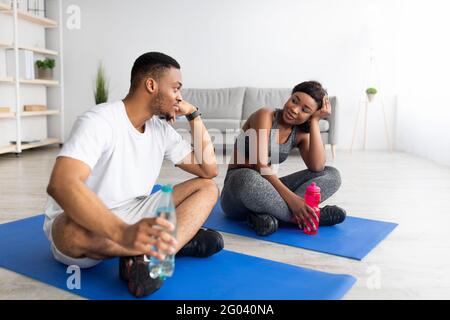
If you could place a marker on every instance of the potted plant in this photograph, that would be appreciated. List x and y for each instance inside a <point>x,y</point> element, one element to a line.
<point>371,92</point>
<point>45,68</point>
<point>101,86</point>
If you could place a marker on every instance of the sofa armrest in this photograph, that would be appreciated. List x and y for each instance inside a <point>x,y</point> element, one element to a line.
<point>332,136</point>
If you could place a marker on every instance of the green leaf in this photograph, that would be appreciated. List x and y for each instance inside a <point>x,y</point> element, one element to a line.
<point>45,64</point>
<point>371,91</point>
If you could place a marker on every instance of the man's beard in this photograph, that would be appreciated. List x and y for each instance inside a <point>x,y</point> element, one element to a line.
<point>158,103</point>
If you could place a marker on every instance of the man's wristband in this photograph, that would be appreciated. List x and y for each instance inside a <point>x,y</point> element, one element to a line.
<point>193,115</point>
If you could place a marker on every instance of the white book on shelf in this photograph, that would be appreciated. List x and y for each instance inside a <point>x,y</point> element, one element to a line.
<point>11,63</point>
<point>26,64</point>
<point>30,64</point>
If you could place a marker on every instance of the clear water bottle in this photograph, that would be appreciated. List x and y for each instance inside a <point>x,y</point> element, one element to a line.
<point>165,209</point>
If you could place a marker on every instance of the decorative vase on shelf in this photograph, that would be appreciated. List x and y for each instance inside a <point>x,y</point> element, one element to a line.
<point>45,68</point>
<point>45,74</point>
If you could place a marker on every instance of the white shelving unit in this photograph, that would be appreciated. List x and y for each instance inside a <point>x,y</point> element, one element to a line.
<point>21,30</point>
<point>42,51</point>
<point>7,115</point>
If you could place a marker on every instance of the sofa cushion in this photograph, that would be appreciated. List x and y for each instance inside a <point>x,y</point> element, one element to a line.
<point>256,98</point>
<point>223,103</point>
<point>324,125</point>
<point>221,131</point>
<point>210,124</point>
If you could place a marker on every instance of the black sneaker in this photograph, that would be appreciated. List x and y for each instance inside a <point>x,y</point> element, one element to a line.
<point>263,224</point>
<point>134,270</point>
<point>331,215</point>
<point>204,244</point>
<point>125,264</point>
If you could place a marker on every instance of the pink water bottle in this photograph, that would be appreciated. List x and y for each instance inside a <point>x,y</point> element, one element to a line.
<point>312,199</point>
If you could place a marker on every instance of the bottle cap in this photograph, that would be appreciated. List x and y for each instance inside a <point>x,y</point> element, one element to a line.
<point>313,188</point>
<point>167,188</point>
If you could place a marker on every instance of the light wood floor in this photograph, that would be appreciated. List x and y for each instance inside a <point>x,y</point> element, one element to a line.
<point>412,263</point>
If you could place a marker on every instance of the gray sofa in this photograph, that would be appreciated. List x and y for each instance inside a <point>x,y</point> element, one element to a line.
<point>225,110</point>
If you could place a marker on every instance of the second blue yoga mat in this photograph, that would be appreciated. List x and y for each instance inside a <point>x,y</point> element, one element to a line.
<point>354,238</point>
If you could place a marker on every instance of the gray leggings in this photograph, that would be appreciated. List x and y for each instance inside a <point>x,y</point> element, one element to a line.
<point>246,190</point>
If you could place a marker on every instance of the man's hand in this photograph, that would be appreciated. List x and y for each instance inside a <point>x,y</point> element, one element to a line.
<point>149,234</point>
<point>323,112</point>
<point>184,108</point>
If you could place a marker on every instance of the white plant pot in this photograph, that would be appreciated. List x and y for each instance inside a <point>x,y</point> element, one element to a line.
<point>371,96</point>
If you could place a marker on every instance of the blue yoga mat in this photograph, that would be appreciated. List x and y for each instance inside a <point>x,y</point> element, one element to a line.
<point>227,275</point>
<point>354,238</point>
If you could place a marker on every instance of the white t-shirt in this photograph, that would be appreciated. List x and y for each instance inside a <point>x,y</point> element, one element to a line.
<point>124,162</point>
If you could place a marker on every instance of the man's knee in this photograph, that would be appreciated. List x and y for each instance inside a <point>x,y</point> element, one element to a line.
<point>210,186</point>
<point>70,238</point>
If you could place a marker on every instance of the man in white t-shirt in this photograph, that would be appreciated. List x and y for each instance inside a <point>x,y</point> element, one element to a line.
<point>99,204</point>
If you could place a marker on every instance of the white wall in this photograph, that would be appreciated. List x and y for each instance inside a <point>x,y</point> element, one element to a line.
<point>423,119</point>
<point>241,43</point>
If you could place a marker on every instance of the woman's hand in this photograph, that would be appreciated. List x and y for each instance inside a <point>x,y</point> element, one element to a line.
<point>302,214</point>
<point>323,112</point>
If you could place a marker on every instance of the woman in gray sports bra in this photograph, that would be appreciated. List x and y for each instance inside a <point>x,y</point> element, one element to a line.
<point>252,191</point>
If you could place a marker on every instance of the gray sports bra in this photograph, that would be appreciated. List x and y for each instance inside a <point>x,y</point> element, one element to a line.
<point>278,153</point>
